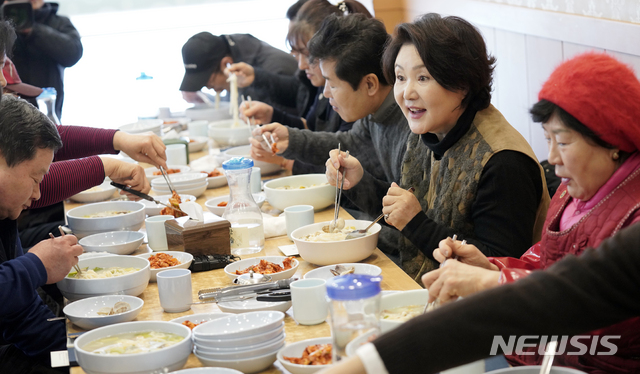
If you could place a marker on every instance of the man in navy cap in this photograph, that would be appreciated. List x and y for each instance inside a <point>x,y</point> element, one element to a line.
<point>206,56</point>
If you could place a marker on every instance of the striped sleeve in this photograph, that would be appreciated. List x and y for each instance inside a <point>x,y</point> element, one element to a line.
<point>82,141</point>
<point>67,178</point>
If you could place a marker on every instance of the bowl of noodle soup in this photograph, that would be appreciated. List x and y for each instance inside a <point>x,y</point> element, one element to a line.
<point>108,275</point>
<point>320,248</point>
<point>107,216</point>
<point>134,347</point>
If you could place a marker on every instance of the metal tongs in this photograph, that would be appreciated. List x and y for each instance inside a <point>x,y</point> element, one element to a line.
<point>166,178</point>
<point>216,295</point>
<point>144,196</point>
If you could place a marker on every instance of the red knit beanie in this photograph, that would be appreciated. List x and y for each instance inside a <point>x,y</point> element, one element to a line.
<point>600,92</point>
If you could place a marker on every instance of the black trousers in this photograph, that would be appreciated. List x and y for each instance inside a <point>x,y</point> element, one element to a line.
<point>14,361</point>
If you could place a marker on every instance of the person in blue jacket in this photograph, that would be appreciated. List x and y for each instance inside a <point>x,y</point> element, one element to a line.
<point>28,141</point>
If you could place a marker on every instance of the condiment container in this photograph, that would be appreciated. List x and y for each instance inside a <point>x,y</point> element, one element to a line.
<point>247,232</point>
<point>354,307</point>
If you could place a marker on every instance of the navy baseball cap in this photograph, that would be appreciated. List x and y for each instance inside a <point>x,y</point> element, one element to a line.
<point>201,55</point>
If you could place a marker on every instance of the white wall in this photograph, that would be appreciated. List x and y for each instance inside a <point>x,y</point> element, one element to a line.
<point>528,44</point>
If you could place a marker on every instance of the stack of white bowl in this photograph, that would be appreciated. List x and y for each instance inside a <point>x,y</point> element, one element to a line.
<point>248,342</point>
<point>144,125</point>
<point>184,183</point>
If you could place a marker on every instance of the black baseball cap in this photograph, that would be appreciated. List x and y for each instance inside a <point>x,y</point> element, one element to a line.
<point>201,55</point>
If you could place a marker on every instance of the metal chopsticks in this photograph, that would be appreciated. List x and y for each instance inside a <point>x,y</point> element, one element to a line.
<point>166,178</point>
<point>78,270</point>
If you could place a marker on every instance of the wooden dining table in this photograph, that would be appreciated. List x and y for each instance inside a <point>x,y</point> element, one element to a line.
<point>393,278</point>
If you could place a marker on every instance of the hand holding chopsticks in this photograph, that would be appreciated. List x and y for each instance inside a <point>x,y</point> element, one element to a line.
<point>62,233</point>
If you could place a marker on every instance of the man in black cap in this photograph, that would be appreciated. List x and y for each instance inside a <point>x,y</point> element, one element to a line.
<point>206,56</point>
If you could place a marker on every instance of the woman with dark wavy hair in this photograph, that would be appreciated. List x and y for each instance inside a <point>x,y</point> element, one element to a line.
<point>474,175</point>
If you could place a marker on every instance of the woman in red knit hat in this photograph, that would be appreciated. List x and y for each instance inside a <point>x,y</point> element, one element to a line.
<point>590,110</point>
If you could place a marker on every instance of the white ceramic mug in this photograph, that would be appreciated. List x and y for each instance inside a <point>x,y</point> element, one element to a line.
<point>199,128</point>
<point>174,289</point>
<point>256,180</point>
<point>298,216</point>
<point>309,298</point>
<point>156,233</point>
<point>176,154</point>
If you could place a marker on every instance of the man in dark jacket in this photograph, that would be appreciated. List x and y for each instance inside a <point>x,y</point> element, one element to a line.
<point>206,56</point>
<point>43,51</point>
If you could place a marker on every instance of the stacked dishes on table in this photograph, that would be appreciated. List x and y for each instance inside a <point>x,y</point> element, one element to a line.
<point>248,342</point>
<point>184,183</point>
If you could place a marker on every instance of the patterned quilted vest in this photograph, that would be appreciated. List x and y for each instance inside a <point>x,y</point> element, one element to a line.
<point>608,217</point>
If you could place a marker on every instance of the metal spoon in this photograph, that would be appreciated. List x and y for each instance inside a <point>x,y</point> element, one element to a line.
<point>362,232</point>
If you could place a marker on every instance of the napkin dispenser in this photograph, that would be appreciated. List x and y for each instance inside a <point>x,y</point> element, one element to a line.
<point>210,236</point>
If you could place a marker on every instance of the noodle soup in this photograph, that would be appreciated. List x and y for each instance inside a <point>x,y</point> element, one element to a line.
<point>101,273</point>
<point>110,213</point>
<point>133,342</point>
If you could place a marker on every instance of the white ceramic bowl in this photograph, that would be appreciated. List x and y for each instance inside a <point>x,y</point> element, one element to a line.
<point>198,143</point>
<point>240,355</point>
<point>320,196</point>
<point>210,370</point>
<point>215,182</point>
<point>116,242</point>
<point>129,284</point>
<point>326,274</point>
<point>181,179</point>
<point>535,369</point>
<point>150,176</point>
<point>226,135</point>
<point>153,209</point>
<point>239,325</point>
<point>248,365</point>
<point>185,259</point>
<point>230,269</point>
<point>204,348</point>
<point>336,252</point>
<point>84,313</point>
<point>200,317</point>
<point>212,204</point>
<point>206,112</point>
<point>83,226</point>
<point>144,125</point>
<point>245,151</point>
<point>169,358</point>
<point>240,343</point>
<point>100,192</point>
<point>195,191</point>
<point>295,350</point>
<point>252,305</point>
<point>398,299</point>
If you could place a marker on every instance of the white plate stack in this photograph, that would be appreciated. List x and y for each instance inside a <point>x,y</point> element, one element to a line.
<point>248,342</point>
<point>184,183</point>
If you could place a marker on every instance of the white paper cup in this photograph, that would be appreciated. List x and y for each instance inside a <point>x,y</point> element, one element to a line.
<point>256,180</point>
<point>298,216</point>
<point>309,298</point>
<point>156,233</point>
<point>174,289</point>
<point>199,128</point>
<point>176,154</point>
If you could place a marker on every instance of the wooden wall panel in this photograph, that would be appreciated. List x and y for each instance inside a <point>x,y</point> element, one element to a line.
<point>543,55</point>
<point>511,79</point>
<point>570,50</point>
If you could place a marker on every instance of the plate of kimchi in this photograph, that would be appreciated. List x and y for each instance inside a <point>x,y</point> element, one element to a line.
<point>153,209</point>
<point>306,356</point>
<point>278,267</point>
<point>165,260</point>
